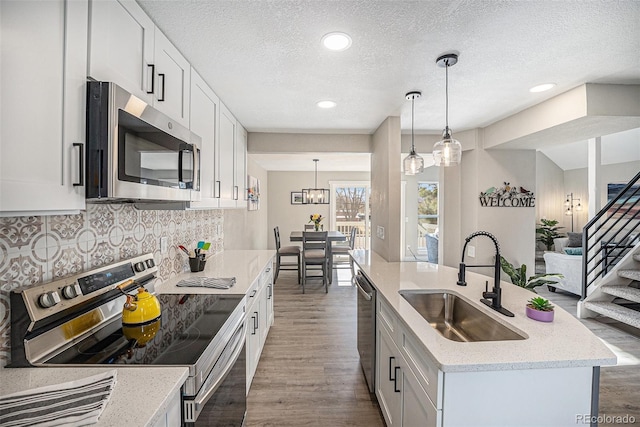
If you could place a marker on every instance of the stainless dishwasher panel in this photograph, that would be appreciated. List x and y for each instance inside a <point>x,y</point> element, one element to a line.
<point>367,328</point>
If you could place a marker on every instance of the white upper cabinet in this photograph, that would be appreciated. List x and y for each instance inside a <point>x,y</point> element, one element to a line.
<point>128,49</point>
<point>42,107</point>
<point>121,46</point>
<point>240,162</point>
<point>204,118</point>
<point>172,75</point>
<point>226,155</point>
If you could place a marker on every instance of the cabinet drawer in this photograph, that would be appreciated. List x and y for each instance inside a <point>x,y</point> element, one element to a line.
<point>427,373</point>
<point>252,294</point>
<point>386,316</point>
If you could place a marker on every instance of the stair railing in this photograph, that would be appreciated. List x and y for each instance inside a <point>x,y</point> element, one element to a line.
<point>605,236</point>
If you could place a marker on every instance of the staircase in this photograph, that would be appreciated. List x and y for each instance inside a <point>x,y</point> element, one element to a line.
<point>611,260</point>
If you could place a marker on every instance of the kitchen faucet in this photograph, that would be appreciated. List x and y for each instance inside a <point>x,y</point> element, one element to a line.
<point>493,298</point>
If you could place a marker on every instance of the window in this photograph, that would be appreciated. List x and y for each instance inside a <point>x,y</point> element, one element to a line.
<point>427,211</point>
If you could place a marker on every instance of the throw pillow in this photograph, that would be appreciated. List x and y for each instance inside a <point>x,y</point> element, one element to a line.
<point>575,240</point>
<point>573,251</point>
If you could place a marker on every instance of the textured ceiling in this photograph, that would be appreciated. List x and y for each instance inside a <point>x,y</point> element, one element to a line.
<point>265,60</point>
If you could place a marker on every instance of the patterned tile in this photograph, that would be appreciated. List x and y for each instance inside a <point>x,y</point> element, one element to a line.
<point>103,253</point>
<point>69,260</point>
<point>128,217</point>
<point>21,269</point>
<point>101,219</point>
<point>18,232</point>
<point>65,227</point>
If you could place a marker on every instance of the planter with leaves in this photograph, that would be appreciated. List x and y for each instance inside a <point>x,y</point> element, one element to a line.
<point>547,230</point>
<point>518,276</point>
<point>540,309</point>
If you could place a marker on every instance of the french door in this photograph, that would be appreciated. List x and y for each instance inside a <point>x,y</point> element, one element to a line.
<point>350,209</point>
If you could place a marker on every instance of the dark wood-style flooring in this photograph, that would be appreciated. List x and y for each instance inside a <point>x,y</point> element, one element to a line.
<point>309,372</point>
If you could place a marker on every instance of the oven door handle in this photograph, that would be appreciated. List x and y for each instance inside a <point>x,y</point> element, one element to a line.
<point>238,345</point>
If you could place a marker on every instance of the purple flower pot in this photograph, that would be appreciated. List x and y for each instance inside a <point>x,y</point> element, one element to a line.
<point>540,316</point>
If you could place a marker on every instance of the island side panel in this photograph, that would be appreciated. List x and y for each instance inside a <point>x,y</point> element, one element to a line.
<point>556,397</point>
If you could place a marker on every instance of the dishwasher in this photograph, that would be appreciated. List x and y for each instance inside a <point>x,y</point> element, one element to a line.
<point>367,328</point>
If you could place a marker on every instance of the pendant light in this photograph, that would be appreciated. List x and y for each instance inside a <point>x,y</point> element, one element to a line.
<point>448,151</point>
<point>413,163</point>
<point>315,196</point>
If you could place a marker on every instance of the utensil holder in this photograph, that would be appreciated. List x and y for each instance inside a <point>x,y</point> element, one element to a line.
<point>197,264</point>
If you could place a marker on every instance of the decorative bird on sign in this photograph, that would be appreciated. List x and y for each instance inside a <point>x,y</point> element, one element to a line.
<point>524,191</point>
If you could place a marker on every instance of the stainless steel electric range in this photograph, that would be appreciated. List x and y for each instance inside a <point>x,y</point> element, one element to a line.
<point>77,321</point>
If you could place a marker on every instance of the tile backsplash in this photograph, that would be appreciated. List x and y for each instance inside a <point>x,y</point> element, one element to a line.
<point>38,249</point>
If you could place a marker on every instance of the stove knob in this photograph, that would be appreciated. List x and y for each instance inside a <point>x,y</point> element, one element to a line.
<point>151,263</point>
<point>49,299</point>
<point>139,267</point>
<point>71,291</point>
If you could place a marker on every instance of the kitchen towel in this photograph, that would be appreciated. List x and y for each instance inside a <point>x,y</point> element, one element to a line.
<point>74,403</point>
<point>208,282</point>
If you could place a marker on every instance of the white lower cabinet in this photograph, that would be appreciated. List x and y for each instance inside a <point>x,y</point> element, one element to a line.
<point>172,417</point>
<point>401,394</point>
<point>259,319</point>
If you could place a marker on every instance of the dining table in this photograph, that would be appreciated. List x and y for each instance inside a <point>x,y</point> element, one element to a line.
<point>332,236</point>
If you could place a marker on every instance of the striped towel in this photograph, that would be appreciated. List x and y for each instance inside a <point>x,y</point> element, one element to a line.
<point>208,282</point>
<point>74,403</point>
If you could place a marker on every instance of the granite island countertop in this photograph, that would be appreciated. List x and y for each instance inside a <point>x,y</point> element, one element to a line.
<point>565,342</point>
<point>244,265</point>
<point>141,394</point>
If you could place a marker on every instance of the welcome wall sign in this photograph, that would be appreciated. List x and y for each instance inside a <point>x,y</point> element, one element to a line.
<point>507,196</point>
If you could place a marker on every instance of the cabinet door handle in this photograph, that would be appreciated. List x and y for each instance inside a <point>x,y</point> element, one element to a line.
<point>80,182</point>
<point>160,99</point>
<point>395,379</point>
<point>216,191</point>
<point>391,359</point>
<point>255,321</point>
<point>269,294</point>
<point>235,192</point>
<point>253,332</point>
<point>253,294</point>
<point>153,77</point>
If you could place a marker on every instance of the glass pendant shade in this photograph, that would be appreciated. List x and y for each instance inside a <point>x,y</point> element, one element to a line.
<point>448,151</point>
<point>413,164</point>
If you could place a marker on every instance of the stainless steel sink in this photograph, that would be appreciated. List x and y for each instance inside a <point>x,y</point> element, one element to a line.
<point>456,319</point>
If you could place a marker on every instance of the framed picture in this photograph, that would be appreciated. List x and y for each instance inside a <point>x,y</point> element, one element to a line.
<point>296,197</point>
<point>253,195</point>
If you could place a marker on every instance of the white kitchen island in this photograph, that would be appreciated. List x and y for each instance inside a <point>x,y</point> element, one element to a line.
<point>550,378</point>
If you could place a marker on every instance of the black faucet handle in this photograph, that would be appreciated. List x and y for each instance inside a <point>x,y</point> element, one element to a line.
<point>461,279</point>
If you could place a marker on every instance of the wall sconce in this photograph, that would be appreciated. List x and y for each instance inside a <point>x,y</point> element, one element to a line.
<point>571,206</point>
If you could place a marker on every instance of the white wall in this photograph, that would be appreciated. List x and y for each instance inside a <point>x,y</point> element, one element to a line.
<point>513,227</point>
<point>550,194</point>
<point>244,229</point>
<point>385,189</point>
<point>576,181</point>
<point>290,217</point>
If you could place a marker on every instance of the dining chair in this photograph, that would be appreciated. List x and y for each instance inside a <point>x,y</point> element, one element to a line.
<point>309,227</point>
<point>340,253</point>
<point>315,256</point>
<point>286,251</point>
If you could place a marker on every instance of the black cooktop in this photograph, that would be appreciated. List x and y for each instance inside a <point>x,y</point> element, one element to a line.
<point>187,325</point>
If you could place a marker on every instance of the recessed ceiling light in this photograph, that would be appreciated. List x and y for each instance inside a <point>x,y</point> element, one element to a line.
<point>542,87</point>
<point>336,41</point>
<point>326,104</point>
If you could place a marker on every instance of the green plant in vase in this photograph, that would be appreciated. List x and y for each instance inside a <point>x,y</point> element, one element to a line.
<point>547,230</point>
<point>540,309</point>
<point>518,276</point>
<point>540,304</point>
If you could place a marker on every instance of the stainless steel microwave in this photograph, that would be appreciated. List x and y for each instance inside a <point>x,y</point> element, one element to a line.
<point>136,153</point>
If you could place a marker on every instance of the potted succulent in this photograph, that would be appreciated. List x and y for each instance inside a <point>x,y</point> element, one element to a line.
<point>540,309</point>
<point>547,231</point>
<point>518,276</point>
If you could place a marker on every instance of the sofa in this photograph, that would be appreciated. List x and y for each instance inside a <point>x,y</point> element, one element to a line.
<point>570,266</point>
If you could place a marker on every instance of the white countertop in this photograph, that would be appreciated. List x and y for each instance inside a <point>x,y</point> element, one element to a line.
<point>244,265</point>
<point>565,342</point>
<point>141,394</point>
